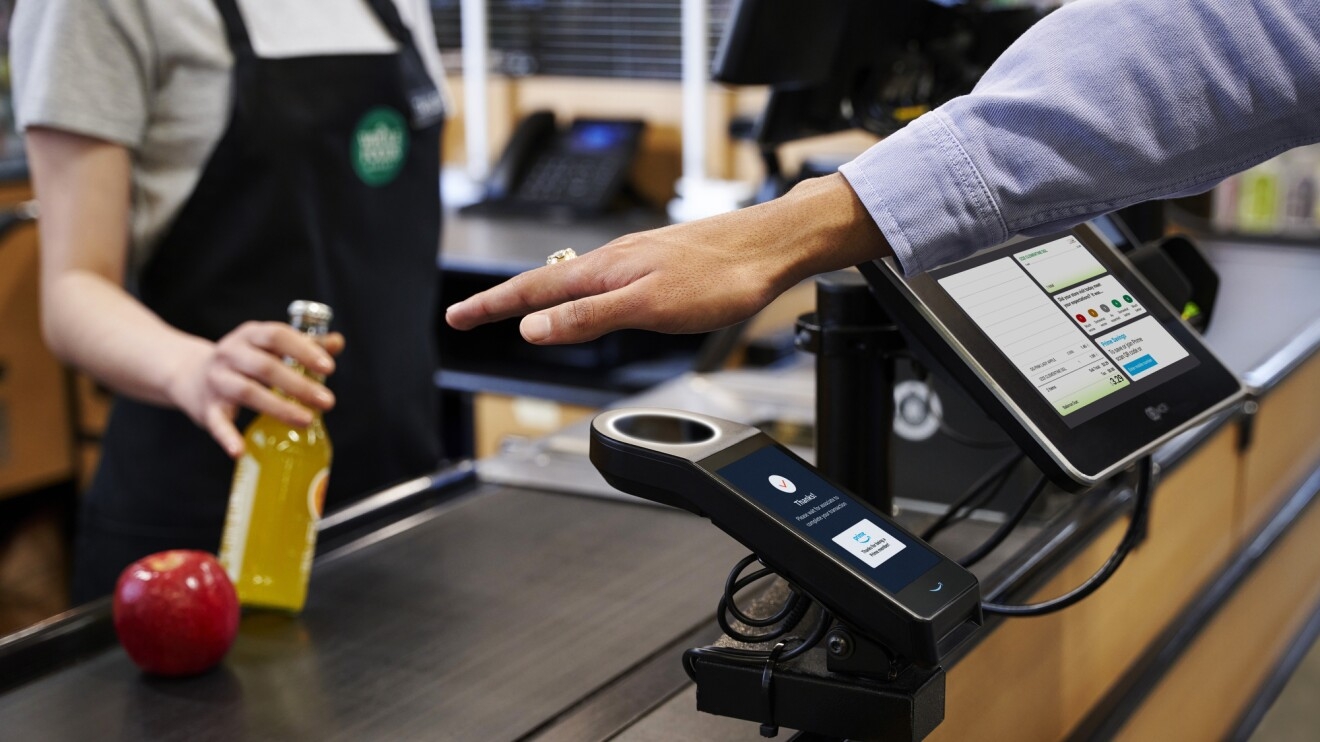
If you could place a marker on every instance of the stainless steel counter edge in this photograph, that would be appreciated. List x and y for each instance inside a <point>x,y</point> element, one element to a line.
<point>1277,367</point>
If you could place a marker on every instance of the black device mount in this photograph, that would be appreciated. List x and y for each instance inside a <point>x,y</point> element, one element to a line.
<point>805,693</point>
<point>850,688</point>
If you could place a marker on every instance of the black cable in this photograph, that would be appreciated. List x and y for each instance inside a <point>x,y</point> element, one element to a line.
<point>966,440</point>
<point>733,584</point>
<point>787,617</point>
<point>823,622</point>
<point>758,657</point>
<point>1136,531</point>
<point>977,497</point>
<point>969,500</point>
<point>793,611</point>
<point>1007,526</point>
<point>983,500</point>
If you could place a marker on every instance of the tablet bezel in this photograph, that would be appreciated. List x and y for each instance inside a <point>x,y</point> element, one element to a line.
<point>1075,455</point>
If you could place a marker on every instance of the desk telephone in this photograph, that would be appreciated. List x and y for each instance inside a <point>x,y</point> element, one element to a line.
<point>580,169</point>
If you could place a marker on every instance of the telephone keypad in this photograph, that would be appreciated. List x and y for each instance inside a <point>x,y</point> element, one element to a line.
<point>569,178</point>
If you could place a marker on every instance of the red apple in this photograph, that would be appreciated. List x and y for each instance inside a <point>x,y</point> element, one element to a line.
<point>176,612</point>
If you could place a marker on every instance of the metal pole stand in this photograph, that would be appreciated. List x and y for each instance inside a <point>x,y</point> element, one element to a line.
<point>855,344</point>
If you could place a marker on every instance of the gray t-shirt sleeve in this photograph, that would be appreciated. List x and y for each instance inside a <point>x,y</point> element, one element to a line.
<point>84,66</point>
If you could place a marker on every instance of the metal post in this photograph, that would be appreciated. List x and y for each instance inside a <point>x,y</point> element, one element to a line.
<point>854,342</point>
<point>476,84</point>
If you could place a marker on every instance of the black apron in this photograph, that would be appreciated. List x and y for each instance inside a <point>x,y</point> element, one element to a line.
<point>324,186</point>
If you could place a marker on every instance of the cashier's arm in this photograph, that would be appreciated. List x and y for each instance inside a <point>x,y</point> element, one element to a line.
<point>692,277</point>
<point>90,321</point>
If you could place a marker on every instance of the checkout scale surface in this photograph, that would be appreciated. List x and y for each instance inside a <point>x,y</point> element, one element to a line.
<point>480,619</point>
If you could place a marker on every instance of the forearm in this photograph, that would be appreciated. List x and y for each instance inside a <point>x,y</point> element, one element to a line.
<point>88,319</point>
<point>95,325</point>
<point>1103,104</point>
<point>822,226</point>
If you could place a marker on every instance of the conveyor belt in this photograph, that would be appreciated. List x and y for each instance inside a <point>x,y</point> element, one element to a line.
<point>479,620</point>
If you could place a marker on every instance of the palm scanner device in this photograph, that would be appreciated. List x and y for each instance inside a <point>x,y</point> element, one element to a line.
<point>859,563</point>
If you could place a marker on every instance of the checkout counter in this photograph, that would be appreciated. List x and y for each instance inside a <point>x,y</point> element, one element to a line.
<point>522,598</point>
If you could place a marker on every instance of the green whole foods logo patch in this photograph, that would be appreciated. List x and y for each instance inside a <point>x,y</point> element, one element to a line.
<point>380,144</point>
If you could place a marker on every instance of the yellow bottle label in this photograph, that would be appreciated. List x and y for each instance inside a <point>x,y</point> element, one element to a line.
<point>315,506</point>
<point>316,494</point>
<point>238,518</point>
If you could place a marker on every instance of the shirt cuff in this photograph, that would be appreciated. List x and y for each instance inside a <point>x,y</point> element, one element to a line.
<point>926,196</point>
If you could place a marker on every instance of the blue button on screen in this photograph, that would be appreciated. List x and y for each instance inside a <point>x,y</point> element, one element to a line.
<point>1140,364</point>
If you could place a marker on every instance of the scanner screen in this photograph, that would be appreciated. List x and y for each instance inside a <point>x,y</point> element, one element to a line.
<point>835,521</point>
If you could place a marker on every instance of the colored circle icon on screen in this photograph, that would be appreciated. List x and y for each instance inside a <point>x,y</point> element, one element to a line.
<point>1093,313</point>
<point>1081,318</point>
<point>1127,298</point>
<point>782,484</point>
<point>1104,308</point>
<point>1117,304</point>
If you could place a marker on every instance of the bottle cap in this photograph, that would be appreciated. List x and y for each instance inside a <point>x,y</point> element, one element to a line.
<point>310,315</point>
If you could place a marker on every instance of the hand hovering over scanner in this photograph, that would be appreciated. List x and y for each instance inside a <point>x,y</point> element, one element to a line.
<point>685,278</point>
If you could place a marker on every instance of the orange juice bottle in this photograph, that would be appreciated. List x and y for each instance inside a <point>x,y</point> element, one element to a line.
<point>277,497</point>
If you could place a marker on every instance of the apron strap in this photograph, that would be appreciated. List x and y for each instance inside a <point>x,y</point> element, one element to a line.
<point>388,13</point>
<point>235,30</point>
<point>241,44</point>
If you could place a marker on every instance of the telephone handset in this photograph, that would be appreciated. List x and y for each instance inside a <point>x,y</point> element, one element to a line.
<point>580,169</point>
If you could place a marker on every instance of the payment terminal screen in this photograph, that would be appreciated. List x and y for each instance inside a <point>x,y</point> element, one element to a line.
<point>834,521</point>
<point>1072,329</point>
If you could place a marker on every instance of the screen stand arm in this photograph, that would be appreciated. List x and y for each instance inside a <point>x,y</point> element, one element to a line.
<point>855,344</point>
<point>775,183</point>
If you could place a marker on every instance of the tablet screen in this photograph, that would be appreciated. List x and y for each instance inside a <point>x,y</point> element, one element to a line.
<point>1067,324</point>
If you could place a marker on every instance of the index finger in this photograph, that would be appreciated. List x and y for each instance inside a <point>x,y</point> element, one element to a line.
<point>526,292</point>
<point>284,341</point>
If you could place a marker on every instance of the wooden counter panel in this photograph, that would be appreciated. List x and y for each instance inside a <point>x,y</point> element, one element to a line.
<point>1010,687</point>
<point>1058,667</point>
<point>1203,696</point>
<point>1191,536</point>
<point>1285,444</point>
<point>36,446</point>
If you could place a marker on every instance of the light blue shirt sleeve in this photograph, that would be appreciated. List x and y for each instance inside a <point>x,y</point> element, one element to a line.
<point>1102,104</point>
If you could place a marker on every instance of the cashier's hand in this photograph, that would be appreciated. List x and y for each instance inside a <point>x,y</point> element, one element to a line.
<point>692,277</point>
<point>242,368</point>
